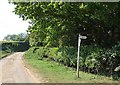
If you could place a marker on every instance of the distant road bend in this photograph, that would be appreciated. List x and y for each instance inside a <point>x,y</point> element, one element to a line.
<point>12,70</point>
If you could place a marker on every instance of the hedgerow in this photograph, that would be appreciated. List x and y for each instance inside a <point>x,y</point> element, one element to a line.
<point>14,46</point>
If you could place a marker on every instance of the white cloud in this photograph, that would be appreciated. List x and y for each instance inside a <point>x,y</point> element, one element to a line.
<point>9,22</point>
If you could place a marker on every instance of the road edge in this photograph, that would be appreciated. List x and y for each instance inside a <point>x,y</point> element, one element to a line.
<point>32,72</point>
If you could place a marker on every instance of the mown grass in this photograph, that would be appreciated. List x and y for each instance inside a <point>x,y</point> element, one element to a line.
<point>56,73</point>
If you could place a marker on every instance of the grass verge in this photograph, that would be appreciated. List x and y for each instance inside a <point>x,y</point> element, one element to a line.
<point>3,54</point>
<point>56,73</point>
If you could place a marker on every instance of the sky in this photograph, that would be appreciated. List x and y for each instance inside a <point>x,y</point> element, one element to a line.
<point>9,22</point>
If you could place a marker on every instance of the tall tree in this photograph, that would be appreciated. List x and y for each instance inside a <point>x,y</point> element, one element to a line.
<point>58,23</point>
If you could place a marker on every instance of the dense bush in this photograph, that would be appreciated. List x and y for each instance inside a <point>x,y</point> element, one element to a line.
<point>92,59</point>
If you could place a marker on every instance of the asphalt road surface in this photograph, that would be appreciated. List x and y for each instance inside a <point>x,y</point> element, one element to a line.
<point>12,70</point>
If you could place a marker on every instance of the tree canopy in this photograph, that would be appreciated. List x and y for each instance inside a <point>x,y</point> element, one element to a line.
<point>16,37</point>
<point>59,23</point>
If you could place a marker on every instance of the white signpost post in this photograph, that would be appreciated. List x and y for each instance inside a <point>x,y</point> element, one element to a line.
<point>78,58</point>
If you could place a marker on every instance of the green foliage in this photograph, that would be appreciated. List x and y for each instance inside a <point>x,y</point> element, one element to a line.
<point>31,53</point>
<point>18,37</point>
<point>53,54</point>
<point>58,23</point>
